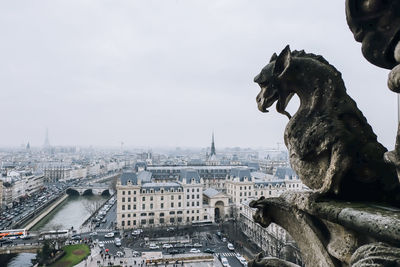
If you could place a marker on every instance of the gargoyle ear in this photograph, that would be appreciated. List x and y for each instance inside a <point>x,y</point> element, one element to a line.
<point>274,57</point>
<point>283,61</point>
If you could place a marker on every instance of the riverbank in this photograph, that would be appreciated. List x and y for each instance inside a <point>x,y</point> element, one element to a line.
<point>45,212</point>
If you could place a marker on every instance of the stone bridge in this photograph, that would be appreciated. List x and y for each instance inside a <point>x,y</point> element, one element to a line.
<point>90,189</point>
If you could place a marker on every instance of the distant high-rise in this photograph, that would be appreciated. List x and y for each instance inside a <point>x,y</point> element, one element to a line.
<point>46,140</point>
<point>212,146</point>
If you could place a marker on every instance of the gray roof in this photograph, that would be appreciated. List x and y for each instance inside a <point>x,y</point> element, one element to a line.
<point>262,176</point>
<point>282,172</point>
<point>188,175</point>
<point>210,192</point>
<point>241,173</point>
<point>158,186</point>
<point>128,176</point>
<point>144,176</point>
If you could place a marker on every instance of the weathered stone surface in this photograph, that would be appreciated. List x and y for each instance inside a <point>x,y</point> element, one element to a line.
<point>328,232</point>
<point>342,242</point>
<point>375,220</point>
<point>331,145</point>
<point>303,228</point>
<point>376,255</point>
<point>262,261</point>
<point>376,24</point>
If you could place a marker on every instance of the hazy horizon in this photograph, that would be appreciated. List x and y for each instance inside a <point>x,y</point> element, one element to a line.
<point>167,73</point>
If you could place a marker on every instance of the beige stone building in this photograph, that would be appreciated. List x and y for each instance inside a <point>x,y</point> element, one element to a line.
<point>141,202</point>
<point>217,204</point>
<point>185,197</point>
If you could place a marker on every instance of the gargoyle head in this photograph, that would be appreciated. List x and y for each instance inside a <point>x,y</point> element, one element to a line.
<point>269,81</point>
<point>376,24</point>
<point>260,217</point>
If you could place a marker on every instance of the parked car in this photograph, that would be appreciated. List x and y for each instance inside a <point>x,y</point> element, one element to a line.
<point>195,250</point>
<point>243,261</point>
<point>197,245</point>
<point>224,261</point>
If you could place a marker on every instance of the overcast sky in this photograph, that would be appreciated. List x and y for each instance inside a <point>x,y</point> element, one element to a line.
<point>166,73</point>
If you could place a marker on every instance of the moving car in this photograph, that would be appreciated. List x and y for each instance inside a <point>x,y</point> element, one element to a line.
<point>117,242</point>
<point>119,254</point>
<point>101,245</point>
<point>174,251</point>
<point>195,250</point>
<point>111,234</point>
<point>167,246</point>
<point>230,247</point>
<point>197,245</point>
<point>153,246</point>
<point>209,250</point>
<point>135,253</point>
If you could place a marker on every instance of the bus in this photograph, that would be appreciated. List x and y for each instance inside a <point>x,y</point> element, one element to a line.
<point>13,234</point>
<point>55,234</point>
<point>202,223</point>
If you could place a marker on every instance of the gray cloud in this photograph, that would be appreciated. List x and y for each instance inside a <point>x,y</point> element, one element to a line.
<point>166,72</point>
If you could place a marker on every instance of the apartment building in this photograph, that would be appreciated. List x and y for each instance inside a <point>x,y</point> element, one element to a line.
<point>142,202</point>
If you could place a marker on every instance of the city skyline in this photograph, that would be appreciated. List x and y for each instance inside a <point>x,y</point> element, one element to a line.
<point>124,73</point>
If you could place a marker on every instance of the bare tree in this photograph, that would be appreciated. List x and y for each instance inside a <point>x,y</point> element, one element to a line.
<point>92,206</point>
<point>113,183</point>
<point>58,237</point>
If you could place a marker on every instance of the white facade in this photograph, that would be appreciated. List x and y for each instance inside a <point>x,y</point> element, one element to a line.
<point>152,204</point>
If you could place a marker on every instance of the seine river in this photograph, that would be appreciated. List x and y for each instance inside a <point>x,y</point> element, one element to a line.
<point>71,213</point>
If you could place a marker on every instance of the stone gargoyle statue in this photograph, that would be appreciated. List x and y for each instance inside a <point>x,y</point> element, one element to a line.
<point>332,147</point>
<point>376,24</point>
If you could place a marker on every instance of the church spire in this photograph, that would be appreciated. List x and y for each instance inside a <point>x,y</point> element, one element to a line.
<point>212,146</point>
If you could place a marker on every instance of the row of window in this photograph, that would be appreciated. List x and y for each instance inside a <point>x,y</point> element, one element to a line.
<point>129,192</point>
<point>151,221</point>
<point>128,199</point>
<point>151,206</point>
<point>162,214</point>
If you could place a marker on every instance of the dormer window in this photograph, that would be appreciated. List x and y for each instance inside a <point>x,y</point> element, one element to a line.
<point>162,190</point>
